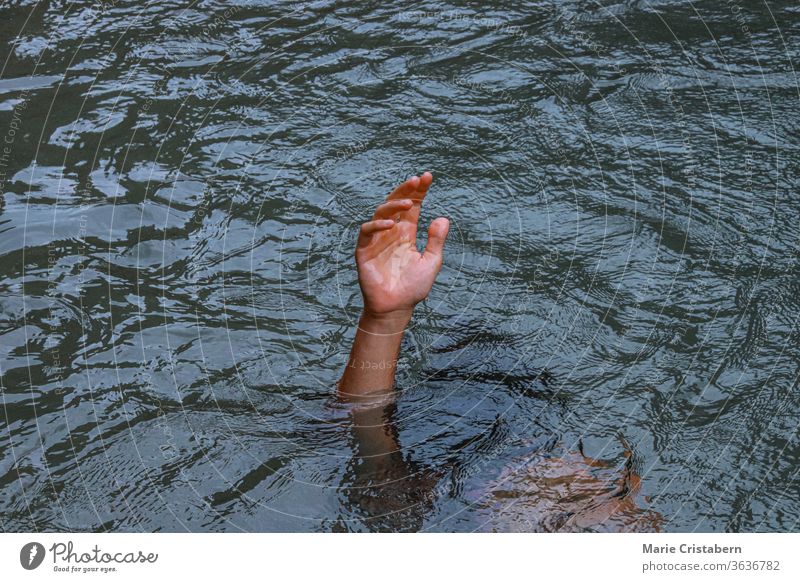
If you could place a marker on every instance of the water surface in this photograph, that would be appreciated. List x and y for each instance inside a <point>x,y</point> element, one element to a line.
<point>616,319</point>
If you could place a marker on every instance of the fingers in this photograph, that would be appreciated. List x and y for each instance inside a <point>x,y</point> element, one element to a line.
<point>437,234</point>
<point>404,205</point>
<point>414,188</point>
<point>392,207</point>
<point>370,228</point>
<point>405,190</point>
<point>424,183</point>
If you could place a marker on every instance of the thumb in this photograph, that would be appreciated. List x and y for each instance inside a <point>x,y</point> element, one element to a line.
<point>437,233</point>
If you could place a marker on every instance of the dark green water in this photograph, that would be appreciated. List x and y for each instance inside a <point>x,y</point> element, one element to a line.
<point>181,187</point>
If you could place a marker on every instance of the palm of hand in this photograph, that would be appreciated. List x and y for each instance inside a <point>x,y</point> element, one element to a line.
<point>392,273</point>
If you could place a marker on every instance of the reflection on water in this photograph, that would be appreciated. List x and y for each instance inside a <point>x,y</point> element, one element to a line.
<point>383,487</point>
<point>569,491</point>
<point>612,343</point>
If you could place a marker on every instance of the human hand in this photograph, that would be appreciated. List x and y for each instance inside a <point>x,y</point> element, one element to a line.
<point>394,276</point>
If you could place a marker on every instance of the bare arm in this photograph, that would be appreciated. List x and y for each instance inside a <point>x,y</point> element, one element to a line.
<point>394,276</point>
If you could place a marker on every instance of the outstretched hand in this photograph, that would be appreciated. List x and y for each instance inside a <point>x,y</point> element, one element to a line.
<point>394,276</point>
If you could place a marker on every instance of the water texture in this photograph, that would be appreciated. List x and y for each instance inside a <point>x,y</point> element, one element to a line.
<point>611,345</point>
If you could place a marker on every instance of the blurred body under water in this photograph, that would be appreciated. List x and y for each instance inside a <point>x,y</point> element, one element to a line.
<point>611,345</point>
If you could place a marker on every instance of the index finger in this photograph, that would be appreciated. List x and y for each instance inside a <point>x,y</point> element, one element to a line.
<point>414,188</point>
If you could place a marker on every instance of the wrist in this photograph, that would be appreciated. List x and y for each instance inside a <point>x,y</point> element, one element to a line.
<point>385,323</point>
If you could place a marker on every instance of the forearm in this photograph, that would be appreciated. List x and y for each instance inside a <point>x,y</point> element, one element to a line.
<point>373,357</point>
